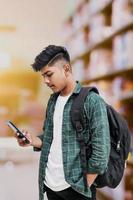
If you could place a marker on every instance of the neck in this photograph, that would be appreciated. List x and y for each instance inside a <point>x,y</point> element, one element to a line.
<point>69,88</point>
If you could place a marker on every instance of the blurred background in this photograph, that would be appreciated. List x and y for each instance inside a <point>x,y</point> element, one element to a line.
<point>99,36</point>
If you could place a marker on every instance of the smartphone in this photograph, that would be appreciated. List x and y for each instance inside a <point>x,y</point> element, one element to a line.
<point>16,130</point>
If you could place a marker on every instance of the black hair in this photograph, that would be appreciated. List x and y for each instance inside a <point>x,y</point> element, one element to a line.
<point>49,55</point>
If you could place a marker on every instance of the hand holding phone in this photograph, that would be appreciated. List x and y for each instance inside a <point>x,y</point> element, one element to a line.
<point>19,133</point>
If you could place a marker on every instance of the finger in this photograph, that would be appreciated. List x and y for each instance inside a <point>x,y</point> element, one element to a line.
<point>27,135</point>
<point>16,134</point>
<point>21,142</point>
<point>23,139</point>
<point>23,131</point>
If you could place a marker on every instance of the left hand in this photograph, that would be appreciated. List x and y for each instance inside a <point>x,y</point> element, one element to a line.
<point>91,178</point>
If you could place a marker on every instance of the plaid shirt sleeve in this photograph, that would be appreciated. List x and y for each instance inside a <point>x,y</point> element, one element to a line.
<point>99,128</point>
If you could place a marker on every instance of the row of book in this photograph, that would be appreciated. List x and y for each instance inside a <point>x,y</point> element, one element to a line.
<point>82,30</point>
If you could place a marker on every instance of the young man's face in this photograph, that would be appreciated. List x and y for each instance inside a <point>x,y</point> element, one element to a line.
<point>55,76</point>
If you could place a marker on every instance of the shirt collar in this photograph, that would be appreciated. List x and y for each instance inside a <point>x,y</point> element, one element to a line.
<point>77,88</point>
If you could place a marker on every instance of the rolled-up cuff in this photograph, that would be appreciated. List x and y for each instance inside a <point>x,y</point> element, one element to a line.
<point>35,148</point>
<point>96,169</point>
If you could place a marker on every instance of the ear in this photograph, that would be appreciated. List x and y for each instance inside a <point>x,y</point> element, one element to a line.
<point>67,68</point>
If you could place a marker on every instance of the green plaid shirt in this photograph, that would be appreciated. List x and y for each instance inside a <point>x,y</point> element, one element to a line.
<point>96,121</point>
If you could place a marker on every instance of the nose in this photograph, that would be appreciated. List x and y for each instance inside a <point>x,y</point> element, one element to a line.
<point>46,80</point>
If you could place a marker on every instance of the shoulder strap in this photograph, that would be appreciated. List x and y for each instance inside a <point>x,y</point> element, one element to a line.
<point>77,112</point>
<point>78,107</point>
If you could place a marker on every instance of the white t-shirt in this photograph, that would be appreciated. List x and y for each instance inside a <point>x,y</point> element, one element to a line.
<point>54,177</point>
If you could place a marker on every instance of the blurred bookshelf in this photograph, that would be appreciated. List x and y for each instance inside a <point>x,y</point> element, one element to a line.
<point>19,101</point>
<point>99,37</point>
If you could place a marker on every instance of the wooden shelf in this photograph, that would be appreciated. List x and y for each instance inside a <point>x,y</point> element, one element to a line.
<point>126,97</point>
<point>105,42</point>
<point>128,117</point>
<point>104,9</point>
<point>77,6</point>
<point>130,163</point>
<point>73,34</point>
<point>123,72</point>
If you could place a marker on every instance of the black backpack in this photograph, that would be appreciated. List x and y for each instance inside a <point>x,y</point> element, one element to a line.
<point>120,139</point>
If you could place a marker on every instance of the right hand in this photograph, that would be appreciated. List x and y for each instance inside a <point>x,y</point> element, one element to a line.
<point>21,141</point>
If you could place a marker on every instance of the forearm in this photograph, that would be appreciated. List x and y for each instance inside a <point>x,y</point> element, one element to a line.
<point>37,142</point>
<point>100,138</point>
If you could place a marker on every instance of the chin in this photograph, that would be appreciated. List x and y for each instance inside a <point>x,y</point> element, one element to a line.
<point>54,90</point>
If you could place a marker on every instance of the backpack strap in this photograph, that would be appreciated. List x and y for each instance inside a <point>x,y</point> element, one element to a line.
<point>78,107</point>
<point>77,112</point>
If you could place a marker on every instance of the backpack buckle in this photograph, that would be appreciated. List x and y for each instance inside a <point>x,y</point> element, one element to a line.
<point>118,145</point>
<point>79,127</point>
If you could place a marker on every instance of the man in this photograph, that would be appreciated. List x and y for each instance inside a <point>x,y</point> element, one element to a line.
<point>60,172</point>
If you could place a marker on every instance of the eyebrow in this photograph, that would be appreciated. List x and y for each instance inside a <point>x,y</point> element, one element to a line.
<point>45,73</point>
